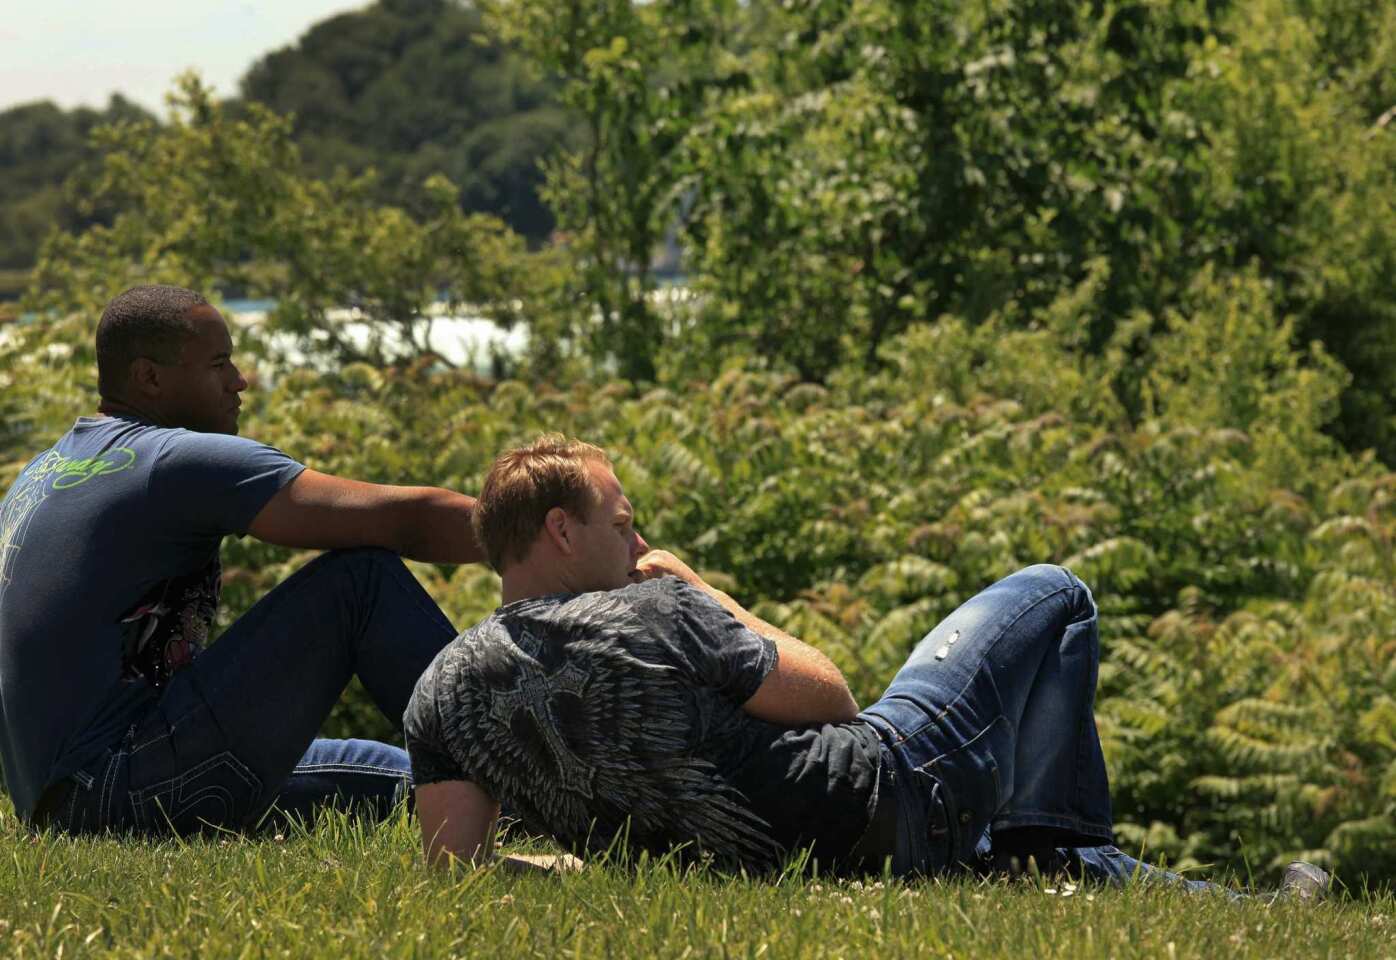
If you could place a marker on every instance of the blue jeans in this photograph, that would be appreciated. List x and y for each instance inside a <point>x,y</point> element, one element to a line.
<point>233,733</point>
<point>989,731</point>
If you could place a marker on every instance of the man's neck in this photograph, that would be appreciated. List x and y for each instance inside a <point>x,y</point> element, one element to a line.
<point>521,582</point>
<point>113,407</point>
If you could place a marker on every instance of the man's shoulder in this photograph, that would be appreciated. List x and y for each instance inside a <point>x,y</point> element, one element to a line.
<point>548,629</point>
<point>650,610</point>
<point>474,646</point>
<point>178,440</point>
<point>188,459</point>
<point>660,598</point>
<point>670,600</point>
<point>461,670</point>
<point>149,440</point>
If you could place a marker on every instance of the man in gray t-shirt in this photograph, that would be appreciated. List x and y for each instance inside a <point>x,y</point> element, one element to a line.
<point>598,703</point>
<point>617,702</point>
<point>115,715</point>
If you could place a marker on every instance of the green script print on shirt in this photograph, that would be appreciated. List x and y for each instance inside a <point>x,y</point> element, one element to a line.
<point>51,472</point>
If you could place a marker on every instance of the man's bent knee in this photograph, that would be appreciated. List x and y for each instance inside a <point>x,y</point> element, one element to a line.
<point>1049,574</point>
<point>357,556</point>
<point>1043,579</point>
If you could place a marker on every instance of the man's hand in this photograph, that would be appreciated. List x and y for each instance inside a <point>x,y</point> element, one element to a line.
<point>662,563</point>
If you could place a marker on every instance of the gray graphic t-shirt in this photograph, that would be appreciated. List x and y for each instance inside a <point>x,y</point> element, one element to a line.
<point>618,714</point>
<point>109,581</point>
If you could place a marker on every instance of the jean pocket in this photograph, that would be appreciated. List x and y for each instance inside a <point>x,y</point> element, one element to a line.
<point>971,783</point>
<point>219,793</point>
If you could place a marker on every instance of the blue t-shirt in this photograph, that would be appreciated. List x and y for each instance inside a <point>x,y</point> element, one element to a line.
<point>109,580</point>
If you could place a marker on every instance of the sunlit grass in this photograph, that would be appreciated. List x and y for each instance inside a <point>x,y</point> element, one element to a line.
<point>353,889</point>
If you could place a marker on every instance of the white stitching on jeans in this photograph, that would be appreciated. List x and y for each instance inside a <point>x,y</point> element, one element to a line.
<point>108,785</point>
<point>164,736</point>
<point>170,732</point>
<point>176,783</point>
<point>347,768</point>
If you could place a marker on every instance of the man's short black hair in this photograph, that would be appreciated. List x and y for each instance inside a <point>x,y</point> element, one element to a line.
<point>150,321</point>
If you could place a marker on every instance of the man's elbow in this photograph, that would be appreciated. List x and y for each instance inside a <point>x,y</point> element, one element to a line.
<point>850,710</point>
<point>843,708</point>
<point>440,856</point>
<point>833,709</point>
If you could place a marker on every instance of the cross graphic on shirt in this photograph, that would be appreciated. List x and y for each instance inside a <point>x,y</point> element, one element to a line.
<point>534,692</point>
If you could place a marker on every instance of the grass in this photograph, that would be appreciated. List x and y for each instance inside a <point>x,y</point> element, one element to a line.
<point>353,889</point>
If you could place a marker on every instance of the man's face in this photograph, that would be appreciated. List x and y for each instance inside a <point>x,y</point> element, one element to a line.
<point>607,545</point>
<point>200,392</point>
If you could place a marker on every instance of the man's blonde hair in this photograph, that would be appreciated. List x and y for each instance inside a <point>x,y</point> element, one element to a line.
<point>524,484</point>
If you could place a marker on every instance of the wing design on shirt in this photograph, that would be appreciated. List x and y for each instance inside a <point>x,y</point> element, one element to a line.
<point>582,737</point>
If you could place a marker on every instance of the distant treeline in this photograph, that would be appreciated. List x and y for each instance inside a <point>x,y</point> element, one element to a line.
<point>41,146</point>
<point>409,88</point>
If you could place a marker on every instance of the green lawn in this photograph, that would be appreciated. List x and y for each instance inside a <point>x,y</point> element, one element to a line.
<point>356,890</point>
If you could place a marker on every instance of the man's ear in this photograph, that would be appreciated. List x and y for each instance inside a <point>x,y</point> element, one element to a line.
<point>558,526</point>
<point>144,377</point>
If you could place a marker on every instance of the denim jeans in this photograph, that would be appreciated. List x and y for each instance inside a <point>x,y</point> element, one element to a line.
<point>989,730</point>
<point>233,733</point>
<point>990,726</point>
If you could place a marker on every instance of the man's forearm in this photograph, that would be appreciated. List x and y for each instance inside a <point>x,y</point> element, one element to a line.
<point>436,527</point>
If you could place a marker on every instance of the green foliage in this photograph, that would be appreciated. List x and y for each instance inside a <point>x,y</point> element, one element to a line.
<point>413,89</point>
<point>41,146</point>
<point>639,76</point>
<point>407,89</point>
<point>853,169</point>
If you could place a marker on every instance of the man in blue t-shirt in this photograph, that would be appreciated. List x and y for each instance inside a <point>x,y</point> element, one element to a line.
<point>112,713</point>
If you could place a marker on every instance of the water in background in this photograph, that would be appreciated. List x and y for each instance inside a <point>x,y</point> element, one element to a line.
<point>463,341</point>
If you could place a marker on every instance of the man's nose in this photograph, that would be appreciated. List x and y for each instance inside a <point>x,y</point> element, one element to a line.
<point>239,381</point>
<point>641,547</point>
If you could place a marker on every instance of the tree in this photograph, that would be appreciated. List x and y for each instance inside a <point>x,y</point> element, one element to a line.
<point>415,88</point>
<point>41,146</point>
<point>847,171</point>
<point>210,201</point>
<point>639,75</point>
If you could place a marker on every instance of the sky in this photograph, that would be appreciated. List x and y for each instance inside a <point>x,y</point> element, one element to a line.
<point>78,52</point>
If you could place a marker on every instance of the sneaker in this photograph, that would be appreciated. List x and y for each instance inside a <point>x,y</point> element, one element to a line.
<point>1304,882</point>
